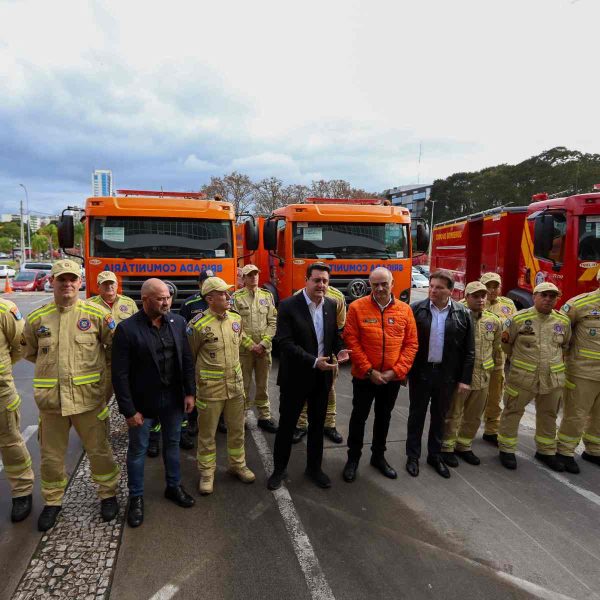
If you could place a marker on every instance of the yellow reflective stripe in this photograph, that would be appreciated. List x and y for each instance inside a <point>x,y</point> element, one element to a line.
<point>2,367</point>
<point>570,385</point>
<point>18,468</point>
<point>103,413</point>
<point>588,437</point>
<point>203,321</point>
<point>524,317</point>
<point>247,342</point>
<point>3,308</point>
<point>54,484</point>
<point>156,428</point>
<point>44,383</point>
<point>108,476</point>
<point>11,406</point>
<point>91,310</point>
<point>266,338</point>
<point>238,368</point>
<point>544,441</point>
<point>488,364</point>
<point>568,439</point>
<point>84,379</point>
<point>235,451</point>
<point>212,457</point>
<point>507,441</point>
<point>559,368</point>
<point>523,365</point>
<point>511,391</point>
<point>585,300</point>
<point>38,314</point>
<point>589,353</point>
<point>200,405</point>
<point>211,372</point>
<point>464,441</point>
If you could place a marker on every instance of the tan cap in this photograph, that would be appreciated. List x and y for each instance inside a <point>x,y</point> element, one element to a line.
<point>60,267</point>
<point>545,286</point>
<point>214,284</point>
<point>106,276</point>
<point>250,269</point>
<point>489,277</point>
<point>475,286</point>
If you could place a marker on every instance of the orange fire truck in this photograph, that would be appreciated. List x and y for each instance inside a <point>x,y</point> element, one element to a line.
<point>353,236</point>
<point>141,234</point>
<point>555,240</point>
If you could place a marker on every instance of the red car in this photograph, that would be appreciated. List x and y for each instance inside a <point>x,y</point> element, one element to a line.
<point>29,281</point>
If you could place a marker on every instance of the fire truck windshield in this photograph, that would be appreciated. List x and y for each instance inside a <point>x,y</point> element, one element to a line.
<point>350,240</point>
<point>589,237</point>
<point>149,237</point>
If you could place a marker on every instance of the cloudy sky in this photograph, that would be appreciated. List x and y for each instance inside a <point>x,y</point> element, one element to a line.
<point>171,93</point>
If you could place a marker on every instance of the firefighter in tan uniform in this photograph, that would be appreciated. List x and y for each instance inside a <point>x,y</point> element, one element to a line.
<point>582,387</point>
<point>15,456</point>
<point>535,341</point>
<point>504,308</point>
<point>66,339</point>
<point>329,430</point>
<point>121,308</point>
<point>215,337</point>
<point>464,416</point>
<point>259,321</point>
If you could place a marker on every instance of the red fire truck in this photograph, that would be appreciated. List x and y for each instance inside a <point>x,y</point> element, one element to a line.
<point>555,240</point>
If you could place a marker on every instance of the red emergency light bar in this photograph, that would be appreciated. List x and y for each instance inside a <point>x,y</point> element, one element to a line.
<point>371,201</point>
<point>161,194</point>
<point>542,196</point>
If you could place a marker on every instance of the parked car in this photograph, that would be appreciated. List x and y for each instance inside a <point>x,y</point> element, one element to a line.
<point>36,266</point>
<point>29,281</point>
<point>418,280</point>
<point>48,285</point>
<point>6,270</point>
<point>423,269</point>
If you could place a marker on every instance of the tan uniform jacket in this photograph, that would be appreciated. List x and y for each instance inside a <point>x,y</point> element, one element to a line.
<point>535,344</point>
<point>488,353</point>
<point>259,317</point>
<point>583,359</point>
<point>503,307</point>
<point>215,344</point>
<point>11,328</point>
<point>122,308</point>
<point>67,345</point>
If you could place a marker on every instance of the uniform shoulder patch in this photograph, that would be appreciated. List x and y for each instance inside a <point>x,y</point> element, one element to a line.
<point>197,317</point>
<point>16,313</point>
<point>566,307</point>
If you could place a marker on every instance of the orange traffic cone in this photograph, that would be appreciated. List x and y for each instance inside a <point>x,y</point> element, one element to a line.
<point>7,286</point>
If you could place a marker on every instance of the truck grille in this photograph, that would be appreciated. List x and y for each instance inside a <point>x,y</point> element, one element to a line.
<point>184,287</point>
<point>352,287</point>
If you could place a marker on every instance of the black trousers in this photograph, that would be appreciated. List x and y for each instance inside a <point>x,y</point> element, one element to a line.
<point>364,392</point>
<point>291,401</point>
<point>427,389</point>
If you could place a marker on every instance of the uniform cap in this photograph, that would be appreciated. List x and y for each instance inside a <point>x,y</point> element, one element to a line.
<point>214,284</point>
<point>60,267</point>
<point>546,286</point>
<point>488,277</point>
<point>475,286</point>
<point>106,276</point>
<point>250,269</point>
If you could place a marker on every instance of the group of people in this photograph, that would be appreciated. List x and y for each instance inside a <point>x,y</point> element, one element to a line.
<point>163,367</point>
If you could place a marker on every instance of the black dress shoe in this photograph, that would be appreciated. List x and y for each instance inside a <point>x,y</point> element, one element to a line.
<point>438,464</point>
<point>186,441</point>
<point>492,438</point>
<point>468,456</point>
<point>221,427</point>
<point>47,518</point>
<point>192,427</point>
<point>318,478</point>
<point>333,434</point>
<point>412,466</point>
<point>21,507</point>
<point>153,447</point>
<point>179,496</point>
<point>349,472</point>
<point>508,460</point>
<point>591,458</point>
<point>449,459</point>
<point>274,482</point>
<point>551,461</point>
<point>299,433</point>
<point>109,508</point>
<point>383,467</point>
<point>569,463</point>
<point>268,425</point>
<point>135,512</point>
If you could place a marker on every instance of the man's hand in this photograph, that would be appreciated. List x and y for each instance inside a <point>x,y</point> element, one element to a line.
<point>377,378</point>
<point>188,403</point>
<point>344,356</point>
<point>257,349</point>
<point>388,375</point>
<point>136,421</point>
<point>323,365</point>
<point>463,388</point>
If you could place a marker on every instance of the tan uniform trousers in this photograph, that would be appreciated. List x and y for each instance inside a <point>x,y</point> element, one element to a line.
<point>581,416</point>
<point>546,411</point>
<point>331,412</point>
<point>208,418</point>
<point>493,407</point>
<point>463,420</point>
<point>92,428</point>
<point>261,367</point>
<point>15,456</point>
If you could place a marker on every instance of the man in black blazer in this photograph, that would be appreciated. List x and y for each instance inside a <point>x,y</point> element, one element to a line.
<point>153,376</point>
<point>308,342</point>
<point>444,362</point>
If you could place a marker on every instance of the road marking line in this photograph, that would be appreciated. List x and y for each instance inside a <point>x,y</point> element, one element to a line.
<point>29,431</point>
<point>309,563</point>
<point>165,593</point>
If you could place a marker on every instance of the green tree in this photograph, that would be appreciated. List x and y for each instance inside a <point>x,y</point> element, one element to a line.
<point>39,244</point>
<point>6,244</point>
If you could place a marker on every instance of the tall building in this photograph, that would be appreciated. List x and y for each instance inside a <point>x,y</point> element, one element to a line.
<point>102,183</point>
<point>414,197</point>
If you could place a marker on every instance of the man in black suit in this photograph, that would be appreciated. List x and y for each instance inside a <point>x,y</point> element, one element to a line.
<point>308,341</point>
<point>444,362</point>
<point>153,376</point>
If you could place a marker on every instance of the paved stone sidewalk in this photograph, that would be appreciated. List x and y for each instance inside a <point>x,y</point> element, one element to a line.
<point>77,557</point>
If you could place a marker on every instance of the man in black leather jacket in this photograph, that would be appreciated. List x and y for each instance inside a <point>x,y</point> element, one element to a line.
<point>444,361</point>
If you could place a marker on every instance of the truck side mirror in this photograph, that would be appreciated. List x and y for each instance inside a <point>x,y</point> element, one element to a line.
<point>422,237</point>
<point>543,233</point>
<point>270,235</point>
<point>251,234</point>
<point>66,232</point>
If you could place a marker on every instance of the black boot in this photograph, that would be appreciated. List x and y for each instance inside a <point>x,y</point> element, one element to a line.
<point>492,438</point>
<point>47,517</point>
<point>508,460</point>
<point>591,458</point>
<point>135,512</point>
<point>569,463</point>
<point>450,459</point>
<point>21,507</point>
<point>299,433</point>
<point>551,461</point>
<point>268,425</point>
<point>109,508</point>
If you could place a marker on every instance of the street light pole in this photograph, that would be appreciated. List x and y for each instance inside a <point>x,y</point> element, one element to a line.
<point>22,239</point>
<point>431,228</point>
<point>28,225</point>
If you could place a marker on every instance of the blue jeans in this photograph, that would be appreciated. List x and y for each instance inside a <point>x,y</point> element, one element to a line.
<point>170,420</point>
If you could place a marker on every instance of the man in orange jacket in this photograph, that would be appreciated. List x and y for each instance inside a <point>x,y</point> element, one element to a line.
<point>382,335</point>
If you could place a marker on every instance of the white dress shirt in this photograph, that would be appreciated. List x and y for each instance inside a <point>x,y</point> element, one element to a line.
<point>316,312</point>
<point>436,333</point>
